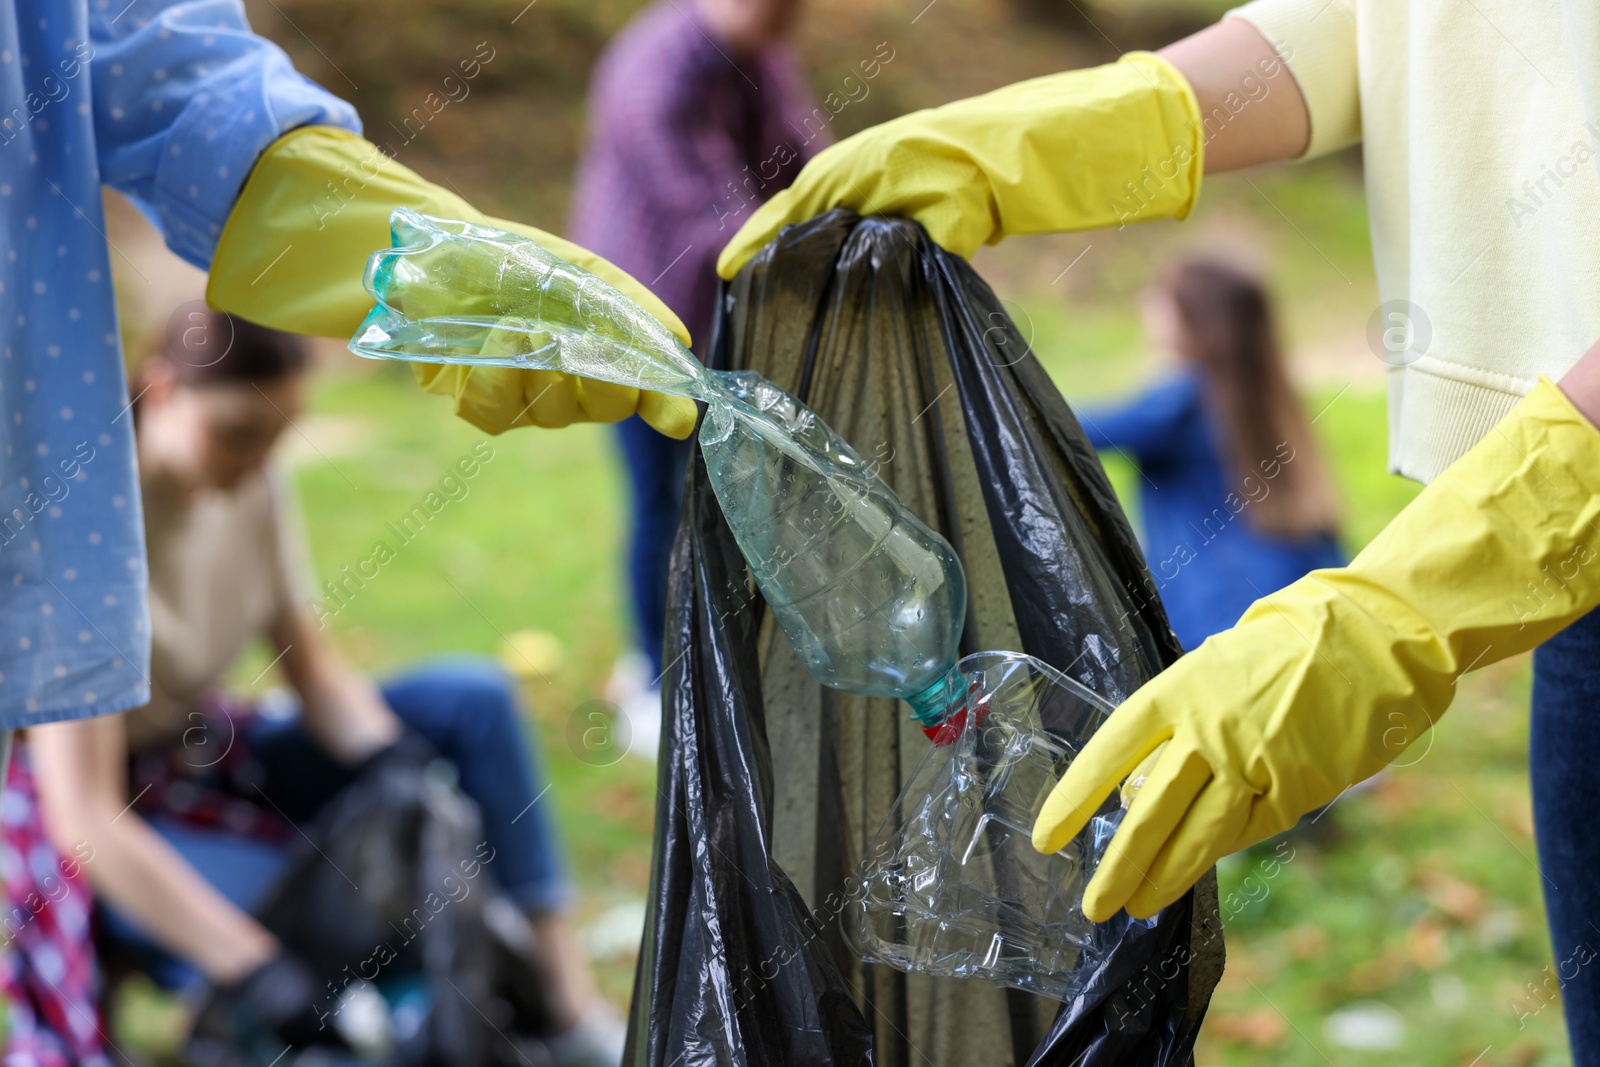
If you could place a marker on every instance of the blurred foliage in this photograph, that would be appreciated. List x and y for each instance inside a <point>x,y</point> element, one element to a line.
<point>516,151</point>
<point>1416,897</point>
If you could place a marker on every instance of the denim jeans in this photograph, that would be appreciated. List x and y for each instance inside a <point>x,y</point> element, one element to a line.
<point>467,710</point>
<point>655,466</point>
<point>1564,761</point>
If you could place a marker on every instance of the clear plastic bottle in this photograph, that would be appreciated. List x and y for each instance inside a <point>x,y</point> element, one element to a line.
<point>871,597</point>
<point>951,885</point>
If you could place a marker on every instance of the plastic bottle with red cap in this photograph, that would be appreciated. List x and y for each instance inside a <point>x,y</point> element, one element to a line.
<point>872,599</point>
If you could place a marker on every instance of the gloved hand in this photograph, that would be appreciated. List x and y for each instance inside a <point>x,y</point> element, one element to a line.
<point>1072,151</point>
<point>284,998</point>
<point>1322,683</point>
<point>296,244</point>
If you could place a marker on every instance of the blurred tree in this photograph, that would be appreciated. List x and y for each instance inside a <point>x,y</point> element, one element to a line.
<point>508,137</point>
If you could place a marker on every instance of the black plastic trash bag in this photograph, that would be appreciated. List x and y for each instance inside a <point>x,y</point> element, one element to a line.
<point>772,786</point>
<point>391,901</point>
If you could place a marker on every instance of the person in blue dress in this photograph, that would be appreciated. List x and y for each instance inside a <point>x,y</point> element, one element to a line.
<point>249,171</point>
<point>1235,500</point>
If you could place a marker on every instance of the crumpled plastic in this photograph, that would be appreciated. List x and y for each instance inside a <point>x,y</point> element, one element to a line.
<point>952,884</point>
<point>772,786</point>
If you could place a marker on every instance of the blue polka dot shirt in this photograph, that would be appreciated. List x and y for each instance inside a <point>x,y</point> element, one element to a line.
<point>169,103</point>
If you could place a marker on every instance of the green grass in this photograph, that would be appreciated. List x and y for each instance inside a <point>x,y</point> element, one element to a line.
<point>1418,893</point>
<point>534,544</point>
<point>1356,915</point>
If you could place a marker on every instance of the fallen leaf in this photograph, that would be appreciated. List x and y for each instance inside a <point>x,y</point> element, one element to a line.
<point>1460,900</point>
<point>1376,975</point>
<point>1305,941</point>
<point>630,870</point>
<point>1394,795</point>
<point>1524,1054</point>
<point>1244,970</point>
<point>1515,812</point>
<point>1262,1028</point>
<point>1425,942</point>
<point>531,654</point>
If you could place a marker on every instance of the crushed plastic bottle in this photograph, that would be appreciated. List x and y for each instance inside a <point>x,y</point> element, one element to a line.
<point>872,599</point>
<point>952,885</point>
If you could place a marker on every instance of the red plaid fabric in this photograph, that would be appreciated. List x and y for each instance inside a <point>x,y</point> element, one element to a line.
<point>209,780</point>
<point>48,975</point>
<point>47,967</point>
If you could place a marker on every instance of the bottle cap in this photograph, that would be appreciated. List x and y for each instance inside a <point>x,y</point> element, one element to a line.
<point>948,729</point>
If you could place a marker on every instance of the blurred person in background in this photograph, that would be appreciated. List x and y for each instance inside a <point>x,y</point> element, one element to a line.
<point>257,175</point>
<point>698,112</point>
<point>1482,180</point>
<point>179,865</point>
<point>251,172</point>
<point>1235,501</point>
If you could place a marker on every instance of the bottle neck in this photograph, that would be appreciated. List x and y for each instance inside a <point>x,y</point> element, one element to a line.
<point>940,700</point>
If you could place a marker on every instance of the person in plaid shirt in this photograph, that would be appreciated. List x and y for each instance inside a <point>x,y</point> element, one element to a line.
<point>698,112</point>
<point>48,979</point>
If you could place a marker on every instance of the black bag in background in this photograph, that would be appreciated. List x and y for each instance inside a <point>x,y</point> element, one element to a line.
<point>394,883</point>
<point>772,786</point>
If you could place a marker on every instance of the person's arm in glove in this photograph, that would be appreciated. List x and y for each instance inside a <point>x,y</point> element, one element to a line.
<point>81,770</point>
<point>283,998</point>
<point>1079,150</point>
<point>1322,683</point>
<point>188,100</point>
<point>294,249</point>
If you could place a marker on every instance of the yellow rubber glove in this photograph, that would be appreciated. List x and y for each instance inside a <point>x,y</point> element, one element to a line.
<point>1324,682</point>
<point>292,254</point>
<point>1072,151</point>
